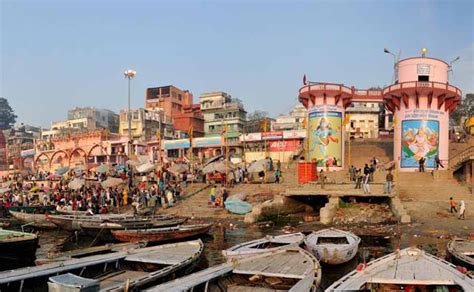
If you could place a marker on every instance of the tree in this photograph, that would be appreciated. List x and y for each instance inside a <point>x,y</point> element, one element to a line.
<point>464,110</point>
<point>7,116</point>
<point>257,115</point>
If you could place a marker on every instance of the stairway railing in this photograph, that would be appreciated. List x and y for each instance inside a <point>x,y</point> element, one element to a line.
<point>458,159</point>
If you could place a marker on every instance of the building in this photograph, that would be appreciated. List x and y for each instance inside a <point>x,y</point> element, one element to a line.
<point>146,124</point>
<point>190,118</point>
<point>169,98</point>
<point>293,121</point>
<point>364,119</point>
<point>220,109</point>
<point>20,147</point>
<point>103,118</point>
<point>256,125</point>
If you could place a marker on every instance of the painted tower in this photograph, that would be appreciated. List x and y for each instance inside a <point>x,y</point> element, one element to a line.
<point>421,100</point>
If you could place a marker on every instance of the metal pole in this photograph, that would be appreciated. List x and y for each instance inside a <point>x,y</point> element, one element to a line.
<point>129,135</point>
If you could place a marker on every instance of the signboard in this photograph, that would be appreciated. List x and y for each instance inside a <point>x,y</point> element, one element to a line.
<point>423,69</point>
<point>251,137</point>
<point>207,142</point>
<point>294,134</point>
<point>284,145</point>
<point>272,135</point>
<point>176,144</point>
<point>28,153</point>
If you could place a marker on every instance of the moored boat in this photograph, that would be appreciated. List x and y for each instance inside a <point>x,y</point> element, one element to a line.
<point>133,268</point>
<point>17,249</point>
<point>263,245</point>
<point>237,206</point>
<point>292,269</point>
<point>161,234</point>
<point>333,246</point>
<point>36,220</point>
<point>461,252</point>
<point>410,267</point>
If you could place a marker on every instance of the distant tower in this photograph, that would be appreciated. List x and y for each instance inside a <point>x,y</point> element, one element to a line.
<point>421,100</point>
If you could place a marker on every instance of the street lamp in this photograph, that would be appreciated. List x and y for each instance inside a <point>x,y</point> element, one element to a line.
<point>387,51</point>
<point>450,67</point>
<point>129,74</point>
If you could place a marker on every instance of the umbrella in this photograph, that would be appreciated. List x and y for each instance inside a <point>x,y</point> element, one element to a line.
<point>79,168</point>
<point>4,190</point>
<point>178,168</point>
<point>258,166</point>
<point>62,170</point>
<point>111,182</point>
<point>76,184</point>
<point>214,159</point>
<point>102,168</point>
<point>120,167</point>
<point>35,189</point>
<point>218,166</point>
<point>53,176</point>
<point>147,167</point>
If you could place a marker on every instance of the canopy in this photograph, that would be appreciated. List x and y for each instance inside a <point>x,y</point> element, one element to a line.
<point>79,168</point>
<point>62,170</point>
<point>76,184</point>
<point>178,168</point>
<point>111,182</point>
<point>103,168</point>
<point>258,166</point>
<point>219,166</point>
<point>147,167</point>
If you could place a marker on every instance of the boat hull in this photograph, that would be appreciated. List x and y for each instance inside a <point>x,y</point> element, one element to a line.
<point>159,235</point>
<point>18,254</point>
<point>455,253</point>
<point>36,220</point>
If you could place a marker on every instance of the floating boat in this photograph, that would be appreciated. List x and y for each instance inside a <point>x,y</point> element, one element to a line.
<point>237,206</point>
<point>36,220</point>
<point>263,245</point>
<point>333,246</point>
<point>408,267</point>
<point>461,252</point>
<point>161,234</point>
<point>90,251</point>
<point>66,211</point>
<point>291,269</point>
<point>17,249</point>
<point>133,269</point>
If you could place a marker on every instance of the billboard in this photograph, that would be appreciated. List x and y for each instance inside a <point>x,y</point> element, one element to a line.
<point>420,138</point>
<point>325,138</point>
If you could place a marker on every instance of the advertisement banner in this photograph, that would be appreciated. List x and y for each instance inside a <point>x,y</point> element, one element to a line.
<point>251,137</point>
<point>285,145</point>
<point>272,135</point>
<point>176,144</point>
<point>207,142</point>
<point>294,134</point>
<point>325,138</point>
<point>27,153</point>
<point>420,138</point>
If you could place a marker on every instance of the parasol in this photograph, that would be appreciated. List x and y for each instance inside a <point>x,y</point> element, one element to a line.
<point>103,168</point>
<point>76,184</point>
<point>111,182</point>
<point>147,167</point>
<point>178,168</point>
<point>62,170</point>
<point>258,166</point>
<point>218,166</point>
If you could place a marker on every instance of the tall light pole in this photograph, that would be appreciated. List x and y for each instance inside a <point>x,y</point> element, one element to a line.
<point>129,74</point>
<point>386,51</point>
<point>450,67</point>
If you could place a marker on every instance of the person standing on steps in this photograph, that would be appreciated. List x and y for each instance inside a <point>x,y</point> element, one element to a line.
<point>388,183</point>
<point>438,163</point>
<point>365,184</point>
<point>322,179</point>
<point>358,178</point>
<point>462,210</point>
<point>421,163</point>
<point>452,204</point>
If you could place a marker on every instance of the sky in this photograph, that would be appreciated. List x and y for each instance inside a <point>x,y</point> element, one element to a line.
<point>56,55</point>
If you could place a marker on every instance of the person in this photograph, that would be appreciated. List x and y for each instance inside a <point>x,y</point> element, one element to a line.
<point>365,184</point>
<point>374,163</point>
<point>322,179</point>
<point>358,178</point>
<point>452,204</point>
<point>278,165</point>
<point>352,173</point>
<point>462,210</point>
<point>438,163</point>
<point>388,183</point>
<point>371,172</point>
<point>421,162</point>
<point>277,175</point>
<point>366,169</point>
<point>225,195</point>
<point>213,194</point>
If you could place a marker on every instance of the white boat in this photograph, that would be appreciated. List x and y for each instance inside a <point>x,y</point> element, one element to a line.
<point>333,246</point>
<point>263,245</point>
<point>292,269</point>
<point>408,267</point>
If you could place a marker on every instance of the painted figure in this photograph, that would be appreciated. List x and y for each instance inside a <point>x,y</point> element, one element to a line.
<point>324,135</point>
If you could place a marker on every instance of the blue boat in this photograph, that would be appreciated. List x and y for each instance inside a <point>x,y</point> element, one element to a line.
<point>237,206</point>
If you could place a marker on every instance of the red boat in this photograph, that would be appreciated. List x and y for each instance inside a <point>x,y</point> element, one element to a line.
<point>161,234</point>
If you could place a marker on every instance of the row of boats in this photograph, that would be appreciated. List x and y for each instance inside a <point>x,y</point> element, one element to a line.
<point>289,262</point>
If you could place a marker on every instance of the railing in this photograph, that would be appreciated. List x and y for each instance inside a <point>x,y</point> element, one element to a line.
<point>461,157</point>
<point>326,86</point>
<point>418,84</point>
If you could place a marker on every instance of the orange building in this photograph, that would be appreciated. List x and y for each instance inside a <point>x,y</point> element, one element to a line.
<point>191,117</point>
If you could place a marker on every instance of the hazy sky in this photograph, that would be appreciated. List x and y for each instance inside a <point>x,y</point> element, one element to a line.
<point>56,55</point>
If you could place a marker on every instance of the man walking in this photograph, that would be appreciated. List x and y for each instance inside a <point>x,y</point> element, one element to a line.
<point>462,210</point>
<point>438,163</point>
<point>452,204</point>
<point>366,185</point>
<point>388,183</point>
<point>358,179</point>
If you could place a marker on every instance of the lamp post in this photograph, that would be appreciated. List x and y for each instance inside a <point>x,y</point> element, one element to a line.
<point>450,67</point>
<point>387,51</point>
<point>129,74</point>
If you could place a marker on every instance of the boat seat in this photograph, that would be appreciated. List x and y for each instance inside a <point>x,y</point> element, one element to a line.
<point>121,278</point>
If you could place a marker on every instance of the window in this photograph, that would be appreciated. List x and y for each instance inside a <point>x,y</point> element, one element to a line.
<point>423,78</point>
<point>180,97</point>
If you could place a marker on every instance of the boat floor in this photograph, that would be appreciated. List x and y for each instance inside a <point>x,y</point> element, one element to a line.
<point>251,289</point>
<point>120,278</point>
<point>166,256</point>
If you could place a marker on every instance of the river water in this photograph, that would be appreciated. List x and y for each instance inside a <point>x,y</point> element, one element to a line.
<point>224,237</point>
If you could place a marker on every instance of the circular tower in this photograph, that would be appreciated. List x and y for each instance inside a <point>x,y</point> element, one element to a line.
<point>421,100</point>
<point>325,122</point>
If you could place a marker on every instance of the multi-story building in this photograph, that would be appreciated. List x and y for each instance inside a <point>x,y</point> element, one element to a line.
<point>220,109</point>
<point>364,119</point>
<point>20,147</point>
<point>191,117</point>
<point>103,118</point>
<point>146,124</point>
<point>256,125</point>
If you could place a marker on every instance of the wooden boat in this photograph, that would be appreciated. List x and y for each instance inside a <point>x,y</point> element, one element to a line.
<point>161,234</point>
<point>134,268</point>
<point>36,220</point>
<point>263,245</point>
<point>90,251</point>
<point>75,223</point>
<point>291,269</point>
<point>65,211</point>
<point>237,206</point>
<point>17,249</point>
<point>408,267</point>
<point>461,252</point>
<point>333,246</point>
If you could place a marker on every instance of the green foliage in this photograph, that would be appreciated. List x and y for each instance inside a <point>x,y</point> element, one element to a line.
<point>7,116</point>
<point>464,110</point>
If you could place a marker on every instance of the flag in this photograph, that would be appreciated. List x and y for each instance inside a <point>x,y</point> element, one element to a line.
<point>347,119</point>
<point>305,122</point>
<point>190,131</point>
<point>304,79</point>
<point>264,125</point>
<point>158,136</point>
<point>224,129</point>
<point>394,121</point>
